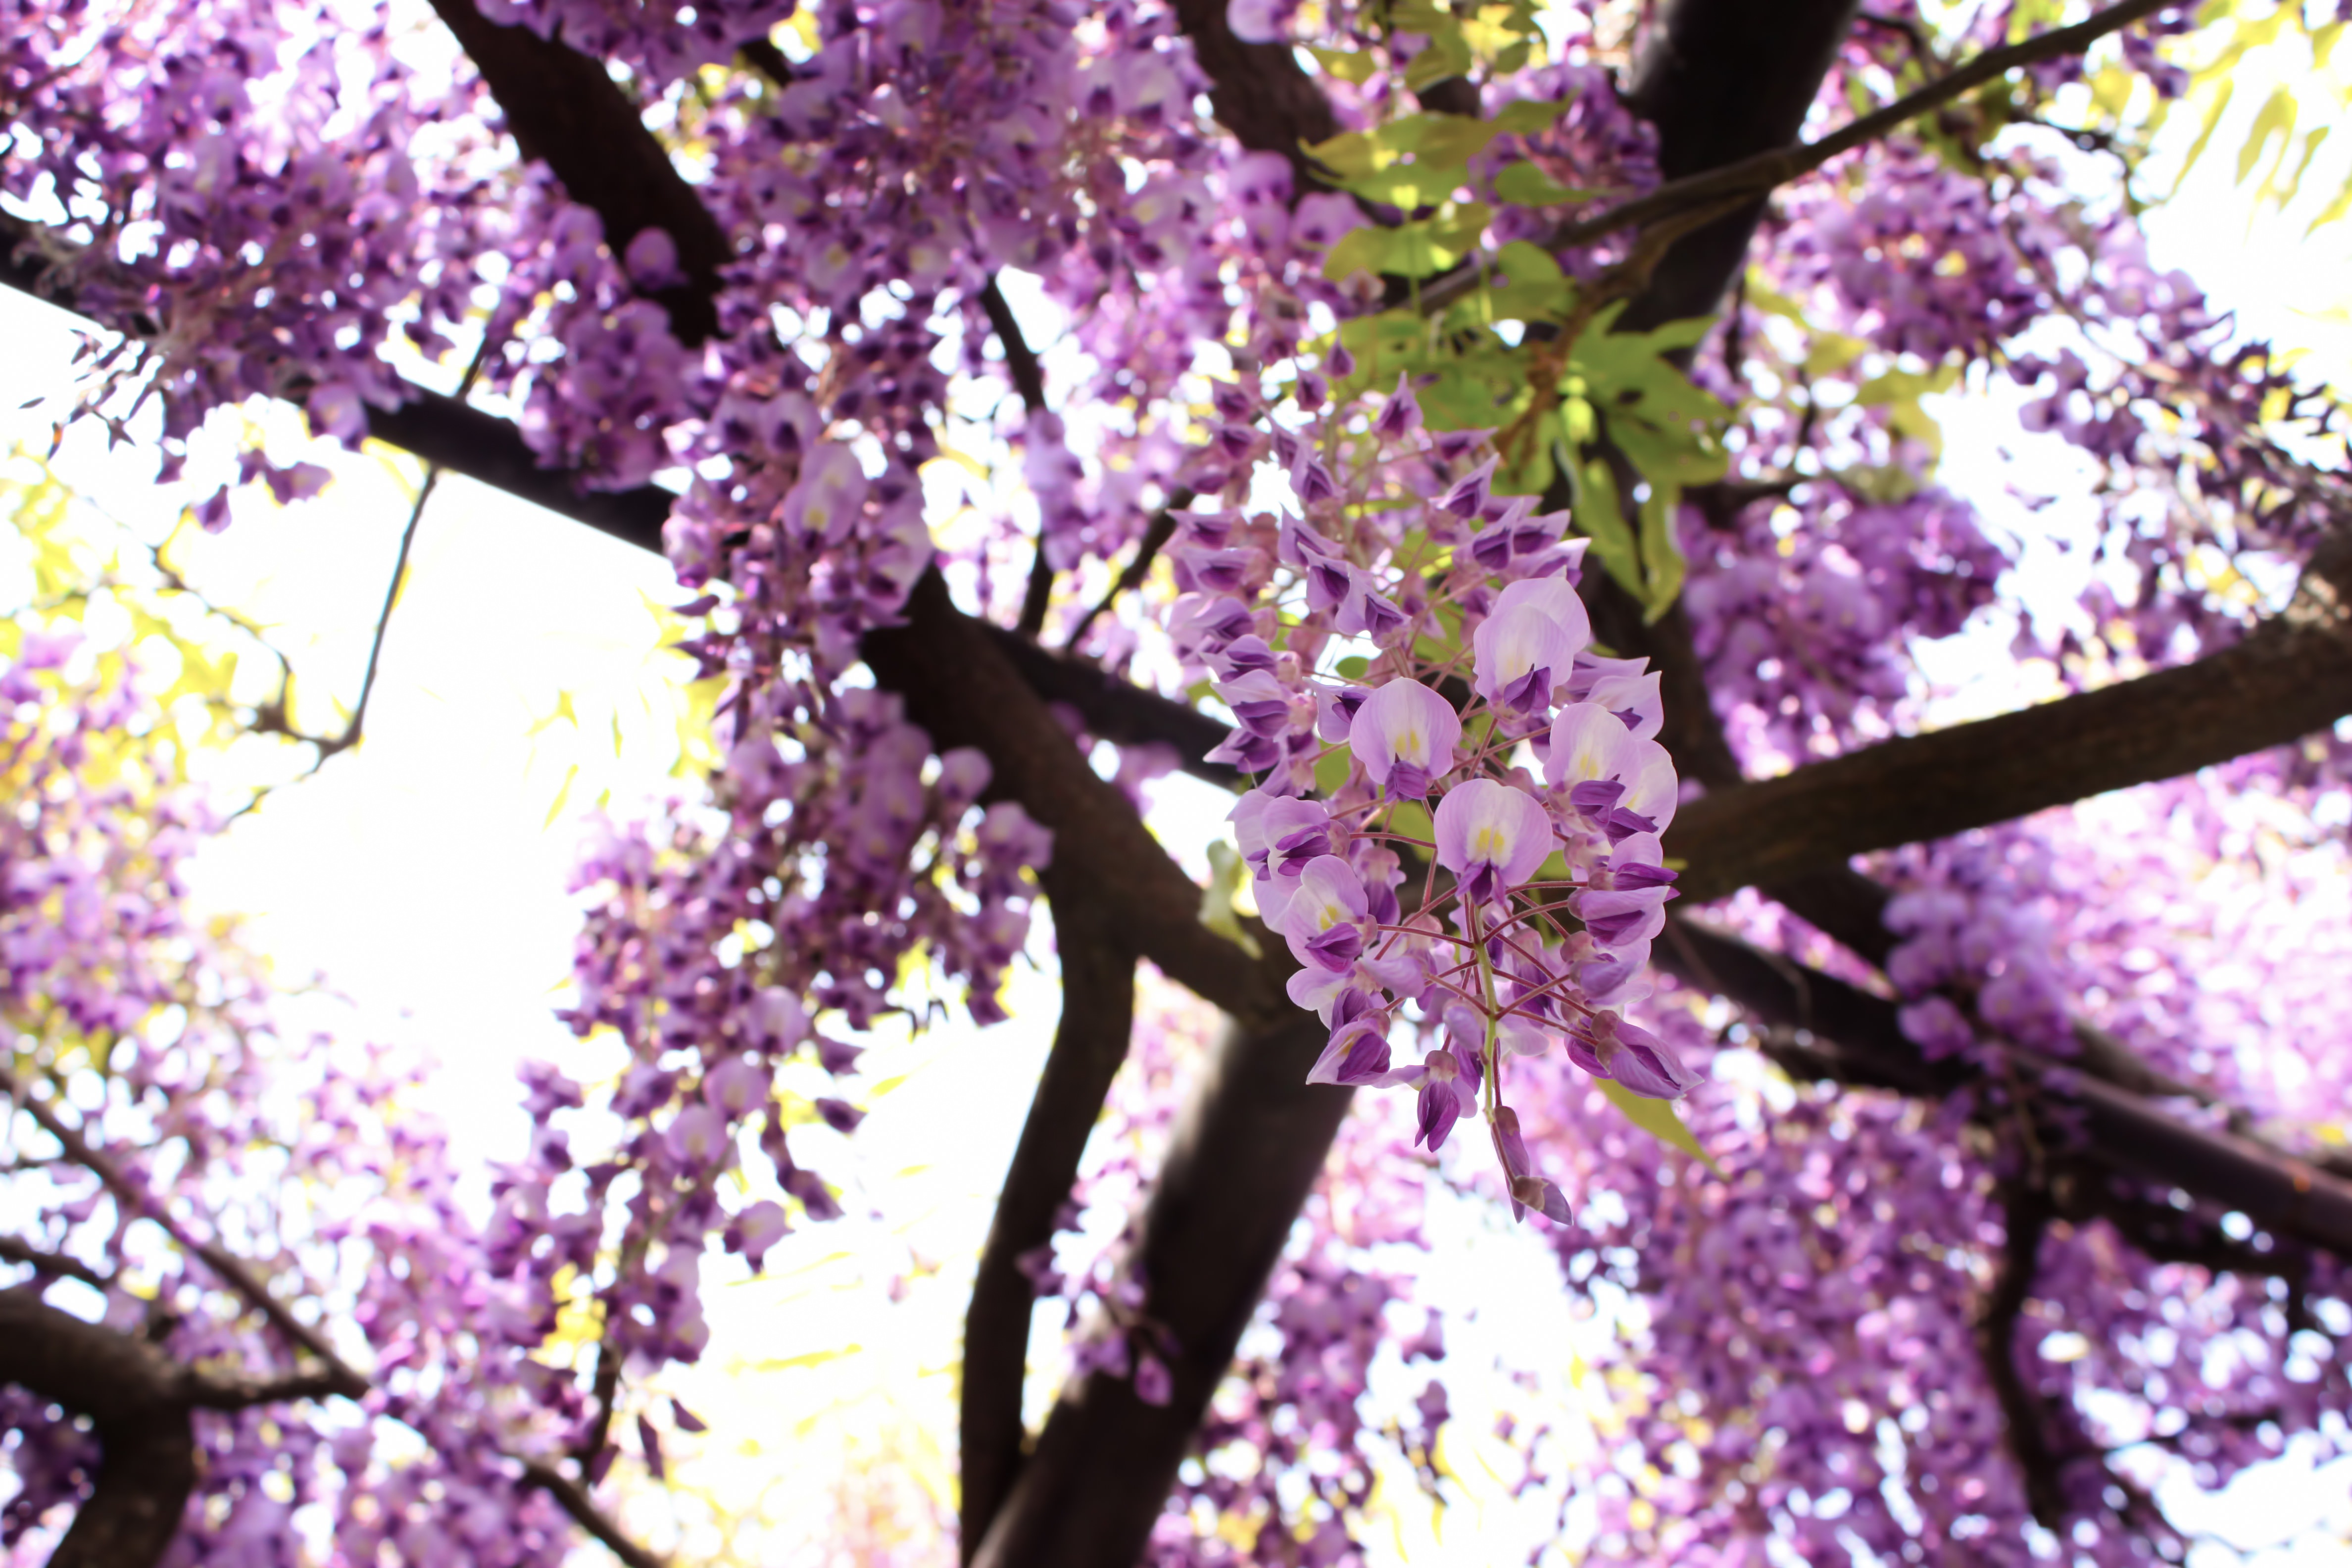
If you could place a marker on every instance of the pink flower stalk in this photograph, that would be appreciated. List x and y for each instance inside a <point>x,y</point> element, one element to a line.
<point>1405,735</point>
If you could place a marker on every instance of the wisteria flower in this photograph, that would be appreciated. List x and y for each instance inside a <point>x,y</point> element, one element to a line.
<point>1521,654</point>
<point>1405,735</point>
<point>1323,921</point>
<point>1491,837</point>
<point>1606,1046</point>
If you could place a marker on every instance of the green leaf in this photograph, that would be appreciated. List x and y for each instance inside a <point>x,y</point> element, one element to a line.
<point>1420,184</point>
<point>1526,116</point>
<point>561,796</point>
<point>1226,875</point>
<point>1526,185</point>
<point>1596,517</point>
<point>1347,65</point>
<point>1658,1119</point>
<point>1418,250</point>
<point>1331,769</point>
<point>1662,566</point>
<point>1448,55</point>
<point>1525,263</point>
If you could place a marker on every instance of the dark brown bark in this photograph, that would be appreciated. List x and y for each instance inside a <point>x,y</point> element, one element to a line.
<point>2291,677</point>
<point>1699,83</point>
<point>1841,1032</point>
<point>1097,977</point>
<point>491,451</point>
<point>960,686</point>
<point>131,1392</point>
<point>2024,1413</point>
<point>1258,92</point>
<point>566,112</point>
<point>138,1400</point>
<point>1243,1156</point>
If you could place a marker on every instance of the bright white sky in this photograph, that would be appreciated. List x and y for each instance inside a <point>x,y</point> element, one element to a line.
<point>424,877</point>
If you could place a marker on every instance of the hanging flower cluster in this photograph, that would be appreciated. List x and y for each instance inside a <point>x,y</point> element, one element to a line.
<point>1457,829</point>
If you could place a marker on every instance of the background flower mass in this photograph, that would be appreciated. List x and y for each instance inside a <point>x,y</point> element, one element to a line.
<point>1891,961</point>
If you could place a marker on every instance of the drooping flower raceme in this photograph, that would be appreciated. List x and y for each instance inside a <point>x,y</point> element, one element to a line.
<point>1464,863</point>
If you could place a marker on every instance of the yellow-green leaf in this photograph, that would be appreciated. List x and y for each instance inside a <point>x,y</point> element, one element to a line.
<point>1529,186</point>
<point>1657,1118</point>
<point>1226,874</point>
<point>1347,65</point>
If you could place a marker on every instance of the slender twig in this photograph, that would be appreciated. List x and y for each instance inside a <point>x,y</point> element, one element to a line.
<point>2023,1412</point>
<point>1029,381</point>
<point>1753,176</point>
<point>1147,549</point>
<point>573,1498</point>
<point>231,1270</point>
<point>211,1391</point>
<point>54,1264</point>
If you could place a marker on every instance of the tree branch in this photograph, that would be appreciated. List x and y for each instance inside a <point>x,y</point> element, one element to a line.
<point>1851,1036</point>
<point>2290,677</point>
<point>1246,1152</point>
<point>130,1390</point>
<point>1131,576</point>
<point>1758,174</point>
<point>54,1265</point>
<point>566,112</point>
<point>1719,81</point>
<point>137,1202</point>
<point>958,684</point>
<point>1029,381</point>
<point>2028,1217</point>
<point>573,1498</point>
<point>214,1391</point>
<point>1097,1014</point>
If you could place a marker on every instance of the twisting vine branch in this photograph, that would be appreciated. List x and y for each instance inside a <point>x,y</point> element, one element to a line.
<point>1753,176</point>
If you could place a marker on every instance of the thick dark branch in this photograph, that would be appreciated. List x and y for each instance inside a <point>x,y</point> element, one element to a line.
<point>217,1390</point>
<point>573,1498</point>
<point>1758,174</point>
<point>1243,1159</point>
<point>1020,359</point>
<point>490,450</point>
<point>566,112</point>
<point>1259,92</point>
<point>1702,82</point>
<point>959,683</point>
<point>130,1390</point>
<point>1856,1037</point>
<point>1097,1014</point>
<point>1121,712</point>
<point>2290,677</point>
